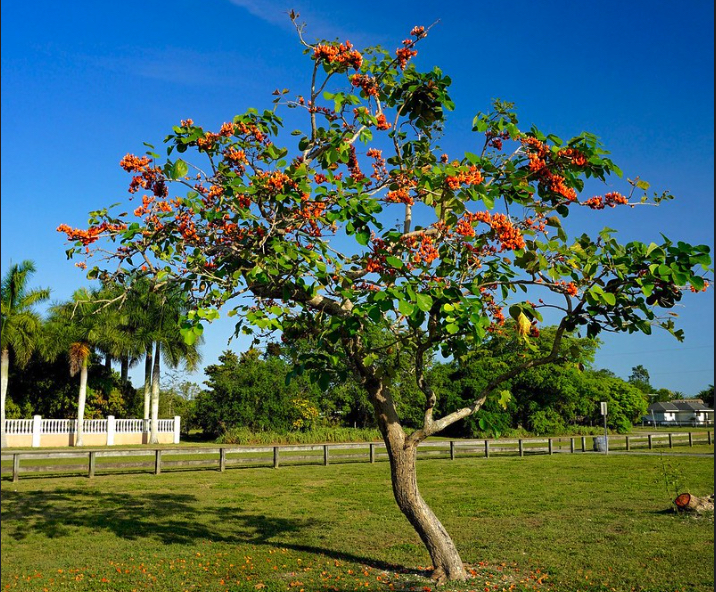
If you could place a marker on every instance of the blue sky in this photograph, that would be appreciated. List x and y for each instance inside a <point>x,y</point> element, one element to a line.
<point>83,83</point>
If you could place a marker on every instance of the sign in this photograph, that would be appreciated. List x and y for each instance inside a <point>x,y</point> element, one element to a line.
<point>603,405</point>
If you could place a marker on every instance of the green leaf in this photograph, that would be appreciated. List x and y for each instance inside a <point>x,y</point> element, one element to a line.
<point>394,262</point>
<point>424,302</point>
<point>405,307</point>
<point>179,170</point>
<point>363,236</point>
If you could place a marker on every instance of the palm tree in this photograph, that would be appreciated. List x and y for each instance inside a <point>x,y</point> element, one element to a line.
<point>20,329</point>
<point>77,328</point>
<point>169,345</point>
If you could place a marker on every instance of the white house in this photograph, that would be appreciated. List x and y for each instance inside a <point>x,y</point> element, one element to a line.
<point>692,412</point>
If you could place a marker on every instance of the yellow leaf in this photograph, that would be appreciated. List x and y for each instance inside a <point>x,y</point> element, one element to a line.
<point>523,325</point>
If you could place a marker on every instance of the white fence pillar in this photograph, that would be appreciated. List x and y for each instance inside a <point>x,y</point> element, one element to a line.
<point>177,424</point>
<point>111,430</point>
<point>36,430</point>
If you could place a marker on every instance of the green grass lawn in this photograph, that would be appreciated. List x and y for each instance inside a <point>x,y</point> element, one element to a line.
<point>564,523</point>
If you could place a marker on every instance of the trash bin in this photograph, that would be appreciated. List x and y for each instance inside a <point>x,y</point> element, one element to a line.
<point>600,444</point>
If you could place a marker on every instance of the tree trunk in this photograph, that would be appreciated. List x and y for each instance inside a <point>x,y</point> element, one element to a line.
<point>147,384</point>
<point>124,369</point>
<point>154,436</point>
<point>443,553</point>
<point>81,404</point>
<point>4,372</point>
<point>691,503</point>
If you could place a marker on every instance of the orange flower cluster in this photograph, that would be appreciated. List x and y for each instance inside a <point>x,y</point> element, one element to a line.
<point>400,195</point>
<point>353,166</point>
<point>376,260</point>
<point>319,178</point>
<point>148,177</point>
<point>146,207</point>
<point>134,164</point>
<point>569,288</point>
<point>538,155</point>
<point>342,54</point>
<point>405,53</point>
<point>470,177</point>
<point>235,157</point>
<point>379,170</point>
<point>187,122</point>
<point>278,181</point>
<point>506,232</point>
<point>243,201</point>
<point>427,253</point>
<point>577,158</point>
<point>92,234</point>
<point>310,212</point>
<point>215,191</point>
<point>186,227</point>
<point>610,199</point>
<point>208,141</point>
<point>418,31</point>
<point>382,123</point>
<point>366,83</point>
<point>492,308</point>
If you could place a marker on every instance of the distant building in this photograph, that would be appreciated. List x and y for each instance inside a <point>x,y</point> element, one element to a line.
<point>685,412</point>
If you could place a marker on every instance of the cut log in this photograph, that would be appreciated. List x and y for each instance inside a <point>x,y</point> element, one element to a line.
<point>686,502</point>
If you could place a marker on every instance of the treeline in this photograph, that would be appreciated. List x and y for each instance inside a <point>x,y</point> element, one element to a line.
<point>56,364</point>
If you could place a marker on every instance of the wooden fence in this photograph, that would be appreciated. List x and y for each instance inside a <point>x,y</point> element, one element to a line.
<point>91,461</point>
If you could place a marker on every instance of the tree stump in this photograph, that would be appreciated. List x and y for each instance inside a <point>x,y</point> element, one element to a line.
<point>686,502</point>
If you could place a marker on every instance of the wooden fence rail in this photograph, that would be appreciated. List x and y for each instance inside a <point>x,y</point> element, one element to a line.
<point>92,460</point>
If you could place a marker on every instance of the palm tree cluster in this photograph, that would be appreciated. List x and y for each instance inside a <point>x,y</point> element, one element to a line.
<point>120,324</point>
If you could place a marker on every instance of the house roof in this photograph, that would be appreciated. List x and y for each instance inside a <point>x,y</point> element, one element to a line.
<point>679,406</point>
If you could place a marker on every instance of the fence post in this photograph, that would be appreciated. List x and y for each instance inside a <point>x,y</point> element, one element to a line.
<point>90,469</point>
<point>452,449</point>
<point>628,446</point>
<point>671,440</point>
<point>549,446</point>
<point>158,462</point>
<point>36,430</point>
<point>15,467</point>
<point>571,445</point>
<point>222,459</point>
<point>111,430</point>
<point>372,453</point>
<point>275,457</point>
<point>651,443</point>
<point>325,455</point>
<point>691,439</point>
<point>521,447</point>
<point>487,449</point>
<point>177,426</point>
<point>584,443</point>
<point>708,434</point>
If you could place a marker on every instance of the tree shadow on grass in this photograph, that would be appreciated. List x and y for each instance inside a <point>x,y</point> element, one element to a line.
<point>170,518</point>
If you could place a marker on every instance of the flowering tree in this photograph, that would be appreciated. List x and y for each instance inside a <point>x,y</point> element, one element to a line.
<point>361,229</point>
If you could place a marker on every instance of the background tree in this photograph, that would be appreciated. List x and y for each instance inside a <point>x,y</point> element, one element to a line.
<point>21,325</point>
<point>707,395</point>
<point>75,329</point>
<point>426,248</point>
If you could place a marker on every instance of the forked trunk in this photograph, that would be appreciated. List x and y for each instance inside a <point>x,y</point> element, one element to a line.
<point>443,553</point>
<point>154,435</point>
<point>81,405</point>
<point>4,371</point>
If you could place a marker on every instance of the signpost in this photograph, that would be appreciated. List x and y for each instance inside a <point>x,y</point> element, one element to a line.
<point>603,409</point>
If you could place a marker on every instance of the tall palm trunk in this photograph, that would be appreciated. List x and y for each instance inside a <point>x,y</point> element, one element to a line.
<point>402,454</point>
<point>147,383</point>
<point>154,436</point>
<point>124,369</point>
<point>4,371</point>
<point>81,403</point>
